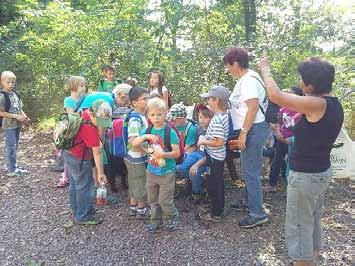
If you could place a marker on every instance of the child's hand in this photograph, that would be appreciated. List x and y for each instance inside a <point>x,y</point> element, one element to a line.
<point>152,138</point>
<point>158,153</point>
<point>201,141</point>
<point>27,121</point>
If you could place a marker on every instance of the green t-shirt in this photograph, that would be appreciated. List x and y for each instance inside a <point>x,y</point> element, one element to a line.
<point>191,131</point>
<point>170,164</point>
<point>106,86</point>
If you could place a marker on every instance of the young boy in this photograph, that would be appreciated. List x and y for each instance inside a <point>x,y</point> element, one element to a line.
<point>108,83</point>
<point>76,86</point>
<point>78,161</point>
<point>215,149</point>
<point>193,166</point>
<point>136,157</point>
<point>177,116</point>
<point>12,119</point>
<point>161,166</point>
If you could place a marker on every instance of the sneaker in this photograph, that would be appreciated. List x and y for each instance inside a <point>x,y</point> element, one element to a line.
<point>63,182</point>
<point>143,213</point>
<point>210,218</point>
<point>171,225</point>
<point>269,189</point>
<point>239,206</point>
<point>250,222</point>
<point>152,228</point>
<point>21,170</point>
<point>92,221</point>
<point>132,210</point>
<point>15,173</point>
<point>196,198</point>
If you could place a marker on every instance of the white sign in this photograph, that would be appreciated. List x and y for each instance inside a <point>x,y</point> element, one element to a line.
<point>340,156</point>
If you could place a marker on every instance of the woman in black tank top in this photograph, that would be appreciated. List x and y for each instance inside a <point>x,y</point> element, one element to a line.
<point>310,159</point>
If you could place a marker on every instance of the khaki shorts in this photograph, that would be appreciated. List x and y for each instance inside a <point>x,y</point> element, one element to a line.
<point>137,180</point>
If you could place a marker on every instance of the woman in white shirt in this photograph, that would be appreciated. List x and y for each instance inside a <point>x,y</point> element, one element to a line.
<point>246,102</point>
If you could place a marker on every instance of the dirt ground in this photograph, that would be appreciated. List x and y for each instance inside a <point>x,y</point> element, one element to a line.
<point>33,211</point>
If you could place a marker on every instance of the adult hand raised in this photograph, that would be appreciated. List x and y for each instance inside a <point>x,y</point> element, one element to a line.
<point>264,65</point>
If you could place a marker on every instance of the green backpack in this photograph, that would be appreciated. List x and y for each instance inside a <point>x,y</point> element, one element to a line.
<point>65,130</point>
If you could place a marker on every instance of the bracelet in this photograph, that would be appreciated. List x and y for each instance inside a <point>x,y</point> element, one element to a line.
<point>243,130</point>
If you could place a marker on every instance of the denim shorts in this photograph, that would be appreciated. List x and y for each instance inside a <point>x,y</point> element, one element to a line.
<point>305,204</point>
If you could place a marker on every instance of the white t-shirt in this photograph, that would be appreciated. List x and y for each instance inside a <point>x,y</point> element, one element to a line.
<point>247,87</point>
<point>156,91</point>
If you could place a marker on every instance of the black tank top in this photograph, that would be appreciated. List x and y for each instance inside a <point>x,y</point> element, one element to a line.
<point>313,141</point>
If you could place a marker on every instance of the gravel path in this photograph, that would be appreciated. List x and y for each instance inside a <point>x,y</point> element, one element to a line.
<point>33,210</point>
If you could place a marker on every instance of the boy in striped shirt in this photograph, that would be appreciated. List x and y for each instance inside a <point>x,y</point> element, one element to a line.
<point>215,149</point>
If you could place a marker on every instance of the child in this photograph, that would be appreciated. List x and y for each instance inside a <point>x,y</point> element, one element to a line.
<point>161,167</point>
<point>215,149</point>
<point>193,165</point>
<point>78,160</point>
<point>107,84</point>
<point>12,119</point>
<point>136,157</point>
<point>157,88</point>
<point>76,85</point>
<point>282,131</point>
<point>188,130</point>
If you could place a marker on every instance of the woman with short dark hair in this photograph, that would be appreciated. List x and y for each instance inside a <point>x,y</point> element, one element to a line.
<point>310,175</point>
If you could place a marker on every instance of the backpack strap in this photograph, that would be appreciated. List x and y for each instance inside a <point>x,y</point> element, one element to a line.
<point>265,99</point>
<point>167,140</point>
<point>79,103</point>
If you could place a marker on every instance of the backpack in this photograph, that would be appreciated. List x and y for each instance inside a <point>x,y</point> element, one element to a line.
<point>7,102</point>
<point>167,140</point>
<point>65,130</point>
<point>117,136</point>
<point>190,123</point>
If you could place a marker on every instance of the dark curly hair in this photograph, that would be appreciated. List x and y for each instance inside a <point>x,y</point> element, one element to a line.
<point>317,72</point>
<point>237,54</point>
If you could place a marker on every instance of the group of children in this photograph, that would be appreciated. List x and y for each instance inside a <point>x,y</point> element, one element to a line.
<point>161,143</point>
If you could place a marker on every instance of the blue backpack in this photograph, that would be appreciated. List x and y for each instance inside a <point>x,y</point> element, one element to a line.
<point>117,136</point>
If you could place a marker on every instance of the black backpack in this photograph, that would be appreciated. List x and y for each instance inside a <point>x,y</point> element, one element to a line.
<point>7,102</point>
<point>272,109</point>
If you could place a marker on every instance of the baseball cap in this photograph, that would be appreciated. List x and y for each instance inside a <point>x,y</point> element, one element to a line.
<point>102,111</point>
<point>217,91</point>
<point>177,110</point>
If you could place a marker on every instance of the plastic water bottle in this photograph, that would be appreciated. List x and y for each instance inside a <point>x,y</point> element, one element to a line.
<point>101,194</point>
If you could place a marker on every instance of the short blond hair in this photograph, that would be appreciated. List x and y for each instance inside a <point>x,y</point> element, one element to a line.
<point>7,75</point>
<point>156,103</point>
<point>74,82</point>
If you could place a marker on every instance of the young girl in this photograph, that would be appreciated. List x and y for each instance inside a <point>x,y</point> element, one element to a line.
<point>193,165</point>
<point>76,86</point>
<point>157,88</point>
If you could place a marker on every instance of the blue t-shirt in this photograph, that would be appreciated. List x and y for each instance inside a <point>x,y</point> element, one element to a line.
<point>92,97</point>
<point>69,102</point>
<point>170,164</point>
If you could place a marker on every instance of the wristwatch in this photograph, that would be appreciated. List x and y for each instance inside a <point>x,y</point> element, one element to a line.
<point>243,130</point>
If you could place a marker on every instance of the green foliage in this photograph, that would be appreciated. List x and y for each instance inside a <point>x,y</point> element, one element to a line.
<point>44,42</point>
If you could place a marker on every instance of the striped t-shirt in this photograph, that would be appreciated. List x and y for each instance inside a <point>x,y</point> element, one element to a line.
<point>218,128</point>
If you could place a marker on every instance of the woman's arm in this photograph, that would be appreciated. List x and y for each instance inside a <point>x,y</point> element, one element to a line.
<point>165,98</point>
<point>313,107</point>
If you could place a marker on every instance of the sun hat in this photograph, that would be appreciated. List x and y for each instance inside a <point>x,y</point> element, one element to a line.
<point>177,110</point>
<point>102,111</point>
